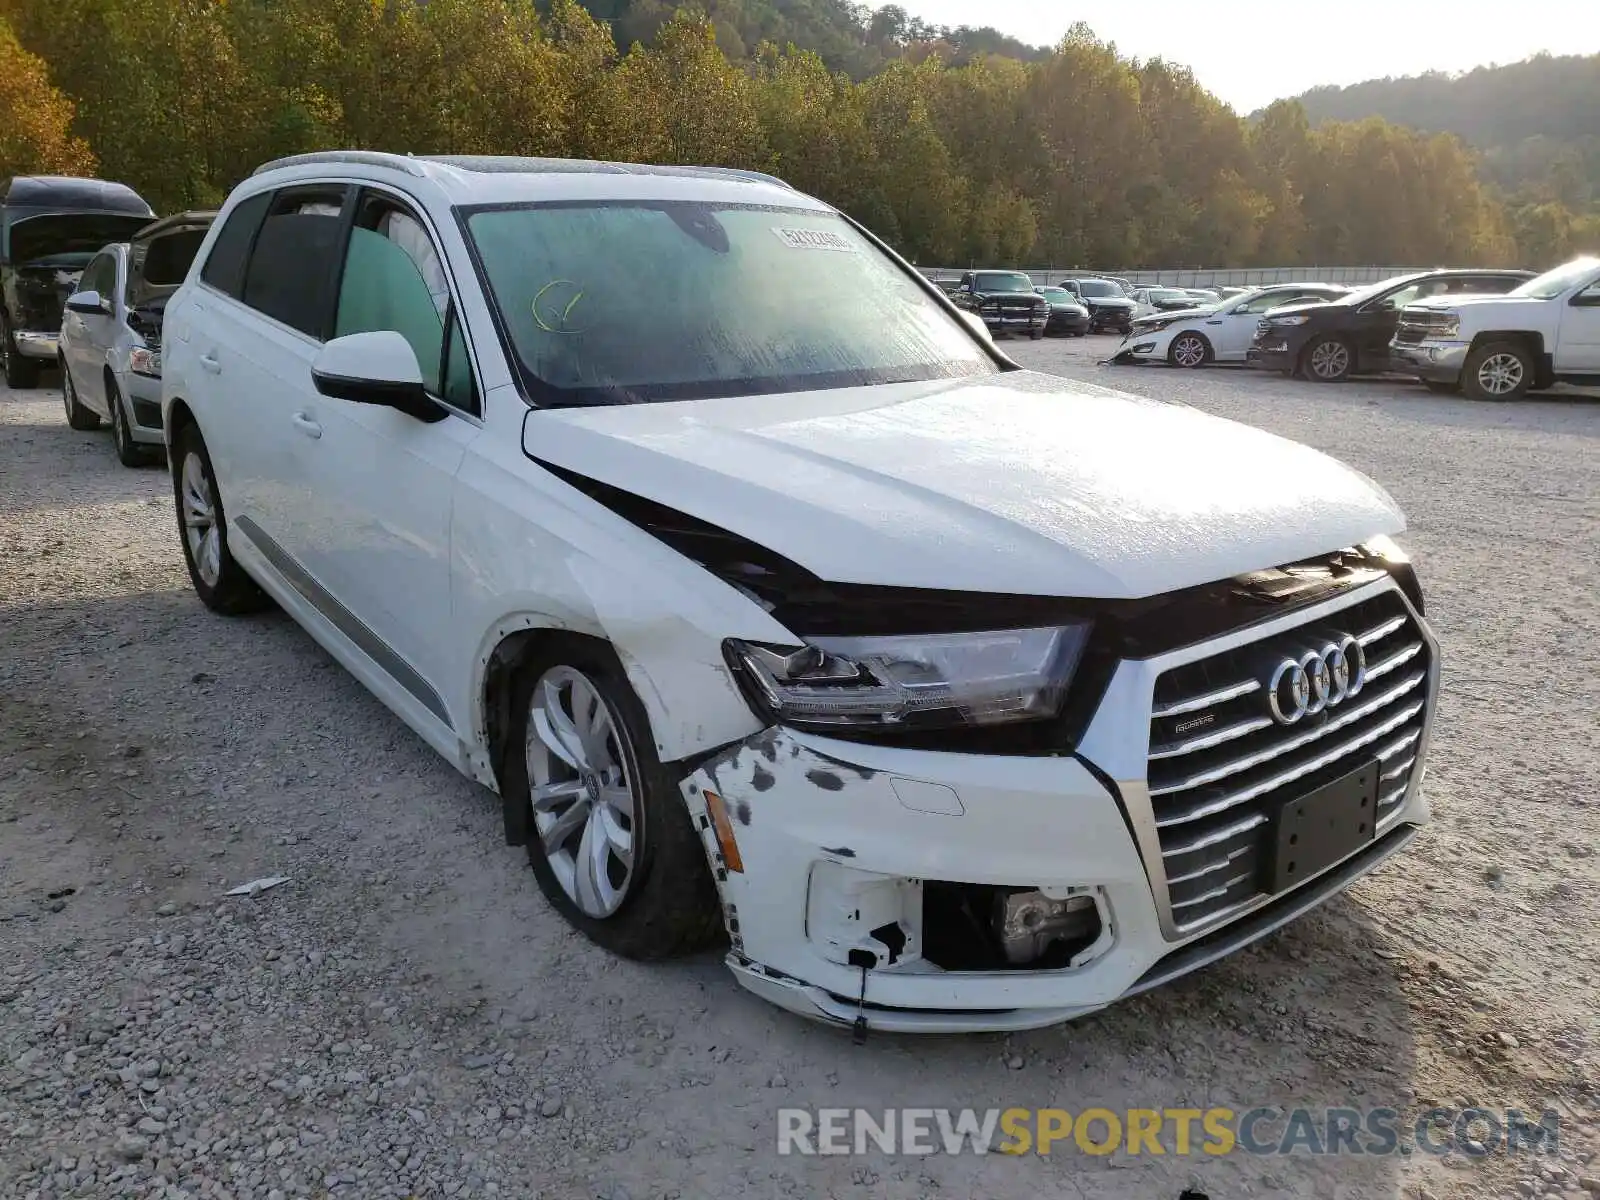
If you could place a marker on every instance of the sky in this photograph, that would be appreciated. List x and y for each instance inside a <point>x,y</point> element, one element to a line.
<point>1250,52</point>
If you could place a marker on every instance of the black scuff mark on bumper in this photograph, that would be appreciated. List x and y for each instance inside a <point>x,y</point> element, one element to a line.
<point>826,780</point>
<point>839,851</point>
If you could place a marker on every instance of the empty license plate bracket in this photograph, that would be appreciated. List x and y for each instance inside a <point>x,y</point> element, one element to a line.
<point>1314,831</point>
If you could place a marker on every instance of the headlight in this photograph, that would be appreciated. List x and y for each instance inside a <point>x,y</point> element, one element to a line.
<point>144,361</point>
<point>1153,324</point>
<point>1445,327</point>
<point>919,680</point>
<point>1298,319</point>
<point>1397,562</point>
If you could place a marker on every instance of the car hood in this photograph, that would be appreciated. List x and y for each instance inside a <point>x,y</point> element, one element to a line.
<point>1176,314</point>
<point>1110,301</point>
<point>1026,484</point>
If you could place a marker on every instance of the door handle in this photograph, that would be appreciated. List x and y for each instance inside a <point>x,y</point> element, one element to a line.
<point>210,363</point>
<point>306,425</point>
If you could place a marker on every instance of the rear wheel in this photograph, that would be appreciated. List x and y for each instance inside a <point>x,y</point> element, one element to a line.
<point>78,416</point>
<point>1189,350</point>
<point>219,580</point>
<point>1497,371</point>
<point>1329,360</point>
<point>612,844</point>
<point>20,372</point>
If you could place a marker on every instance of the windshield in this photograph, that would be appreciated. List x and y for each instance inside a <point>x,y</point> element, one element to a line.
<point>620,302</point>
<point>1552,283</point>
<point>1168,294</point>
<point>1098,287</point>
<point>1002,281</point>
<point>1057,295</point>
<point>69,239</point>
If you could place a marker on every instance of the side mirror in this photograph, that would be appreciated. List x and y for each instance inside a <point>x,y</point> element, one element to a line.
<point>976,324</point>
<point>90,304</point>
<point>375,368</point>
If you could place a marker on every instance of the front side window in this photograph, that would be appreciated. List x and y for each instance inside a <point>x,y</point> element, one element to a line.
<point>100,276</point>
<point>626,302</point>
<point>289,276</point>
<point>394,279</point>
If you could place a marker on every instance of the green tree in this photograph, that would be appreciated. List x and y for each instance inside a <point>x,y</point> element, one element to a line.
<point>35,118</point>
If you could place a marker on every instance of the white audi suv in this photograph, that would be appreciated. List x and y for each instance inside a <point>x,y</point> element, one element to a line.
<point>944,694</point>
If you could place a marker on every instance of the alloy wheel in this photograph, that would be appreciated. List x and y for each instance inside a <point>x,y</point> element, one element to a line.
<point>1188,351</point>
<point>585,805</point>
<point>1500,374</point>
<point>1330,360</point>
<point>200,521</point>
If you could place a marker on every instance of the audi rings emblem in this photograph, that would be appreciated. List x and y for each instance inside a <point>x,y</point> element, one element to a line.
<point>1317,680</point>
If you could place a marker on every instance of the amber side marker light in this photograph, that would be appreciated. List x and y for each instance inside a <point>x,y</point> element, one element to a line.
<point>724,828</point>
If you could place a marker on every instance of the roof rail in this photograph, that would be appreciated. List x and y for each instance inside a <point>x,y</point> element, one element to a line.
<point>369,158</point>
<point>758,176</point>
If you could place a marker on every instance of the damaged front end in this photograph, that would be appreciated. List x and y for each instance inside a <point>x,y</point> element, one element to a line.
<point>861,894</point>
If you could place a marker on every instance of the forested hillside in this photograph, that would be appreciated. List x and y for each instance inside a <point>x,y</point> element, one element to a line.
<point>847,37</point>
<point>1079,157</point>
<point>1535,123</point>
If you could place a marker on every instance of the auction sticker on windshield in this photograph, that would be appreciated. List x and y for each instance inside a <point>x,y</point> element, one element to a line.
<point>814,239</point>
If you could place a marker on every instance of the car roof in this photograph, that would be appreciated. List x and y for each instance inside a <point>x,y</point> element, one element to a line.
<point>491,179</point>
<point>69,192</point>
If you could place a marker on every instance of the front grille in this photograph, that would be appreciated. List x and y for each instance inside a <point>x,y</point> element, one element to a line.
<point>1410,335</point>
<point>1220,765</point>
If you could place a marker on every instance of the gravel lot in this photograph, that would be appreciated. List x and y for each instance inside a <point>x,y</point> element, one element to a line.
<point>406,1017</point>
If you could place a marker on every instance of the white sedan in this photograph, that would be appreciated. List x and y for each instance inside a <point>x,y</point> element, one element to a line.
<point>1214,333</point>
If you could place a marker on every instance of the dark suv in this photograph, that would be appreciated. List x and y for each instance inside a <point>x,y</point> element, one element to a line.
<point>1330,342</point>
<point>1005,300</point>
<point>50,227</point>
<point>1110,308</point>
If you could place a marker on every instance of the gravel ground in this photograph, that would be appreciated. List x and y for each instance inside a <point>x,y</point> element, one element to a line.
<point>406,1017</point>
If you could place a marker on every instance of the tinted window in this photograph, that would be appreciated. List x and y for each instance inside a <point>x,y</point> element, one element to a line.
<point>100,276</point>
<point>224,269</point>
<point>1004,281</point>
<point>394,279</point>
<point>290,273</point>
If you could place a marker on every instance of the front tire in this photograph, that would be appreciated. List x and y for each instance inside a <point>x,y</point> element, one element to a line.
<point>219,580</point>
<point>610,842</point>
<point>83,419</point>
<point>129,452</point>
<point>20,371</point>
<point>1189,350</point>
<point>1329,360</point>
<point>1497,371</point>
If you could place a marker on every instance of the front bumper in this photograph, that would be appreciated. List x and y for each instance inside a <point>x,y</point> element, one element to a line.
<point>840,841</point>
<point>1068,322</point>
<point>1118,319</point>
<point>1435,361</point>
<point>1142,345</point>
<point>1018,322</point>
<point>1272,354</point>
<point>32,344</point>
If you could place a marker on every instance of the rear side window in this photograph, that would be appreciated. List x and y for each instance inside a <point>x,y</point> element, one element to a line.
<point>290,274</point>
<point>224,269</point>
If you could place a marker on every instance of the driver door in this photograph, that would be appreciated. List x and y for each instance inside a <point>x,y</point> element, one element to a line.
<point>381,482</point>
<point>1578,344</point>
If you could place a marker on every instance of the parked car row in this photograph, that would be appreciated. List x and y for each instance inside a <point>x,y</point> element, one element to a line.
<point>85,274</point>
